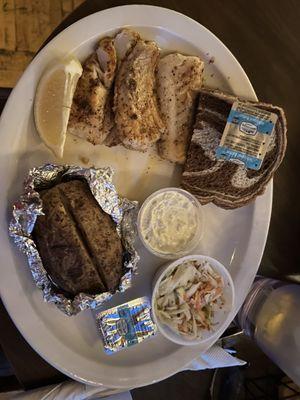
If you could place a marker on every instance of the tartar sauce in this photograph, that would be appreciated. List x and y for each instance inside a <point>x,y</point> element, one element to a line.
<point>169,222</point>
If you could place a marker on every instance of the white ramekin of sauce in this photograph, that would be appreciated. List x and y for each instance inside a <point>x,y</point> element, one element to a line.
<point>170,223</point>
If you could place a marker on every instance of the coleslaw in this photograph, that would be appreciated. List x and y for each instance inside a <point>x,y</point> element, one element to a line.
<point>187,296</point>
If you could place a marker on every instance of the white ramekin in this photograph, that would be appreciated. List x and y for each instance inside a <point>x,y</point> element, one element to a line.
<point>221,316</point>
<point>200,224</point>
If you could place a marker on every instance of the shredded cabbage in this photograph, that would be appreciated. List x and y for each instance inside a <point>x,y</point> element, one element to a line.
<point>186,298</point>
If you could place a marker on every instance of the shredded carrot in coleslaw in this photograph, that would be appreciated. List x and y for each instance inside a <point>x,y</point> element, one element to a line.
<point>186,298</point>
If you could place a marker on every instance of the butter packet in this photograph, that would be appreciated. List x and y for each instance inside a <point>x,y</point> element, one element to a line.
<point>247,135</point>
<point>125,325</point>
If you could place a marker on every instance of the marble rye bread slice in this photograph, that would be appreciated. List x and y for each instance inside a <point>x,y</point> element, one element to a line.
<point>77,241</point>
<point>224,183</point>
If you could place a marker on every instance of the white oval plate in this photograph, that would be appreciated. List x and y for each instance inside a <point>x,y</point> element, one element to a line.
<point>235,238</point>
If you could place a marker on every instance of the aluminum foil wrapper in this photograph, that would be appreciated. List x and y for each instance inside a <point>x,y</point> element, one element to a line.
<point>29,207</point>
<point>125,325</point>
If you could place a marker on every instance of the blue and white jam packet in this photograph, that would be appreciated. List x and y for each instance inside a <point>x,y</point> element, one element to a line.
<point>247,135</point>
<point>125,325</point>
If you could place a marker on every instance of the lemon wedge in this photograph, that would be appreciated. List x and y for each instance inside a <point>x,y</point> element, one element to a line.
<point>53,100</point>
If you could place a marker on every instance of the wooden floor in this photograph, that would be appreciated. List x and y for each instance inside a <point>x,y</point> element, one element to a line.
<point>24,25</point>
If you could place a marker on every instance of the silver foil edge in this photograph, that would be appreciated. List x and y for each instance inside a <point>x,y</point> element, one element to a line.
<point>29,207</point>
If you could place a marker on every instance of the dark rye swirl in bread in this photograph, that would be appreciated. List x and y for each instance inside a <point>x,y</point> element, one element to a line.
<point>221,182</point>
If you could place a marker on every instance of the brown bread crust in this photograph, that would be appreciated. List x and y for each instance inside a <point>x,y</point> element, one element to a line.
<point>211,180</point>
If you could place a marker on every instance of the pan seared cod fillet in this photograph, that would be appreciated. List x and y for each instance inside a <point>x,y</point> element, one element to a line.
<point>137,118</point>
<point>179,78</point>
<point>89,118</point>
<point>124,42</point>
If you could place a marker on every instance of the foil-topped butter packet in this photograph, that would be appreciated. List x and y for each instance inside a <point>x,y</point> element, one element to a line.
<point>125,325</point>
<point>29,206</point>
<point>247,135</point>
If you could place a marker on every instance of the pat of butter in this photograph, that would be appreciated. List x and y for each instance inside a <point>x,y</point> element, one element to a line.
<point>247,135</point>
<point>125,325</point>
